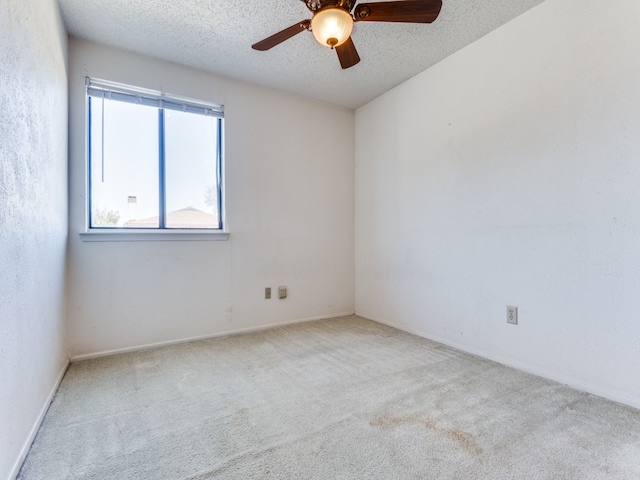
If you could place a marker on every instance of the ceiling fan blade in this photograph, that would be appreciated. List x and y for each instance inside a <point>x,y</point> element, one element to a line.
<point>347,54</point>
<point>409,11</point>
<point>281,36</point>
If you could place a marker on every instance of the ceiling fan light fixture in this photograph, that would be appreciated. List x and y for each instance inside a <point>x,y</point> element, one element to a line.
<point>332,26</point>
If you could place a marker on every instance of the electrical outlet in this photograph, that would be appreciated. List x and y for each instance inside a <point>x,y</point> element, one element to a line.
<point>282,292</point>
<point>512,315</point>
<point>267,293</point>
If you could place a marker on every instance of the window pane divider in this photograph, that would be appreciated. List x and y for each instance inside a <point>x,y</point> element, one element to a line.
<point>162,217</point>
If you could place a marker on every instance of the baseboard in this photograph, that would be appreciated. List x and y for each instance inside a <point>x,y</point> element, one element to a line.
<point>539,372</point>
<point>36,426</point>
<point>148,346</point>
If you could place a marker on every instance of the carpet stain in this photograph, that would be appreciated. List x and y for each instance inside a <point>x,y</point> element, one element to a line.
<point>464,439</point>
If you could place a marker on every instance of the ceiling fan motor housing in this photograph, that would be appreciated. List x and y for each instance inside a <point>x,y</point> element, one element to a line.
<point>317,5</point>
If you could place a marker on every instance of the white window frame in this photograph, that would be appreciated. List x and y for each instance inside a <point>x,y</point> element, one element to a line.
<point>107,89</point>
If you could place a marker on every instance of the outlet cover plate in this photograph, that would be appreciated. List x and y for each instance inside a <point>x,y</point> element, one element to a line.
<point>267,293</point>
<point>282,292</point>
<point>512,315</point>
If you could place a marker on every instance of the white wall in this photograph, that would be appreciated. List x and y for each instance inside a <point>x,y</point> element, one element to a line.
<point>509,173</point>
<point>290,209</point>
<point>33,218</point>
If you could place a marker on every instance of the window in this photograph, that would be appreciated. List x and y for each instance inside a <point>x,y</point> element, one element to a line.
<point>154,161</point>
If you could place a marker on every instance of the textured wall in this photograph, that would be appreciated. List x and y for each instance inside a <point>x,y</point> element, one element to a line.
<point>290,207</point>
<point>508,174</point>
<point>33,216</point>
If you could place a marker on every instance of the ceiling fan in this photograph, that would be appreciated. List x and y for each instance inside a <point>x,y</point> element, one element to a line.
<point>332,22</point>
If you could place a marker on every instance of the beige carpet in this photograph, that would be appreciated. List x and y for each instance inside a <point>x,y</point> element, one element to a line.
<point>336,399</point>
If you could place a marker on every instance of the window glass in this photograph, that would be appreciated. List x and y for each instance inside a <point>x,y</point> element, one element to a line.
<point>191,148</point>
<point>124,165</point>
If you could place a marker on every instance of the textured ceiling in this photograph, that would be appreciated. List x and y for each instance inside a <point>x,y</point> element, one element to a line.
<point>216,36</point>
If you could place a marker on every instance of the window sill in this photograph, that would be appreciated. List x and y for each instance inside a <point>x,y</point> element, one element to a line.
<point>148,235</point>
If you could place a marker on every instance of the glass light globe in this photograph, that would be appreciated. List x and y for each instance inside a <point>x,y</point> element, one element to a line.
<point>332,26</point>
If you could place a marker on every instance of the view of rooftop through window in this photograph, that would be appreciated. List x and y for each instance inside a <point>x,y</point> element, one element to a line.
<point>151,167</point>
